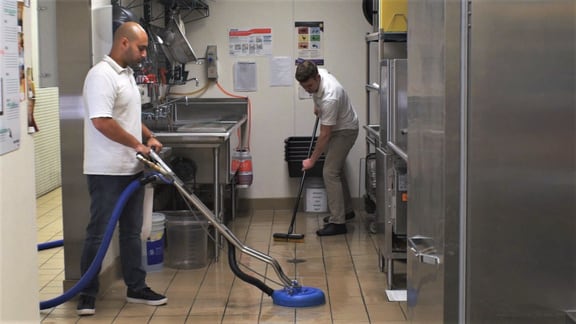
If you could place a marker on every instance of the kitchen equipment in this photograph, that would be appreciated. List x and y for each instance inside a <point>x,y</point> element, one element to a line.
<point>173,42</point>
<point>241,167</point>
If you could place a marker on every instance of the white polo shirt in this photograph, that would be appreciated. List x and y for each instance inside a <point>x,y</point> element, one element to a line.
<point>111,91</point>
<point>334,104</point>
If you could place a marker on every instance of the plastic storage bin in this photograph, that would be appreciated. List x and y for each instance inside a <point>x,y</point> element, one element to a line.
<point>295,151</point>
<point>394,15</point>
<point>186,240</point>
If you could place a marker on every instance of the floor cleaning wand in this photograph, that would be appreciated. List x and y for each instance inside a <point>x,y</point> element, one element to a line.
<point>291,295</point>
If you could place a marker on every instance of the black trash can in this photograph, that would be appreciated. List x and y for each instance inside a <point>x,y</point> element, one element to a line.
<point>295,151</point>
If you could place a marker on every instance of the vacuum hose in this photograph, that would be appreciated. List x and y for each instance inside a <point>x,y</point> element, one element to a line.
<point>49,245</point>
<point>97,262</point>
<point>242,275</point>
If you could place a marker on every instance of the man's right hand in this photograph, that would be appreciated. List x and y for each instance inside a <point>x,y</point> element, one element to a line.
<point>143,149</point>
<point>307,164</point>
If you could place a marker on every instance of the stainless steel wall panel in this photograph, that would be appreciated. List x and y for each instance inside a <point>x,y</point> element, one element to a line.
<point>434,156</point>
<point>522,141</point>
<point>74,61</point>
<point>426,135</point>
<point>511,123</point>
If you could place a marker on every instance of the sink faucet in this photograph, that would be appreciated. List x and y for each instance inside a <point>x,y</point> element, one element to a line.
<point>194,79</point>
<point>162,112</point>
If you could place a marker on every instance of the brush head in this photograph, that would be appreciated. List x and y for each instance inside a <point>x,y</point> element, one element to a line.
<point>288,240</point>
<point>288,237</point>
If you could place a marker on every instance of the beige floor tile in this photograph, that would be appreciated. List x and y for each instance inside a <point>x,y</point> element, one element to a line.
<point>177,308</point>
<point>131,320</point>
<point>386,312</point>
<point>239,319</point>
<point>354,312</point>
<point>161,319</point>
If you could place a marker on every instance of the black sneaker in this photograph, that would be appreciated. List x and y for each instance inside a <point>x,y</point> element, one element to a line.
<point>349,216</point>
<point>332,229</point>
<point>146,296</point>
<point>86,305</point>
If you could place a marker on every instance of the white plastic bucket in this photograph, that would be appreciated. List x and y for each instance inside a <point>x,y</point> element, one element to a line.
<point>147,212</point>
<point>153,247</point>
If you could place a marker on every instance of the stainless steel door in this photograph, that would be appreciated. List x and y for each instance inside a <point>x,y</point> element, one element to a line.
<point>492,167</point>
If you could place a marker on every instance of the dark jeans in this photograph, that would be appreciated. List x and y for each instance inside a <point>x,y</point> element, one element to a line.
<point>104,192</point>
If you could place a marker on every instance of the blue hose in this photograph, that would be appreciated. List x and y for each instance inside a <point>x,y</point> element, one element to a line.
<point>97,262</point>
<point>49,245</point>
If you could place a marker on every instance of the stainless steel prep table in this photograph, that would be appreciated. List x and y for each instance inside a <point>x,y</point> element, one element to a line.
<point>210,124</point>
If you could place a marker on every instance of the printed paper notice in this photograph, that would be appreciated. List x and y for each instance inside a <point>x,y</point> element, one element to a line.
<point>281,74</point>
<point>250,42</point>
<point>245,76</point>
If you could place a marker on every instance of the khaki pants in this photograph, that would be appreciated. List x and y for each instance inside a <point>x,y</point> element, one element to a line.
<point>339,200</point>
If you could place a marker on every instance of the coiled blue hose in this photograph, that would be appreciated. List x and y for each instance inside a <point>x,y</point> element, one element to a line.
<point>97,262</point>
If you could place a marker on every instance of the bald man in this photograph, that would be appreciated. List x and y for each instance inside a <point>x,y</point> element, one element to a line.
<point>113,134</point>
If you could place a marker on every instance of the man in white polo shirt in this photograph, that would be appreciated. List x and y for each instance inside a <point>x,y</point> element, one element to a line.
<point>338,133</point>
<point>113,134</point>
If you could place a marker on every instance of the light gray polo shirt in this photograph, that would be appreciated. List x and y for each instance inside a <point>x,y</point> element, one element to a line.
<point>334,104</point>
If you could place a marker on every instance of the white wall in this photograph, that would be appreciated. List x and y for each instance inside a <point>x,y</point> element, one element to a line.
<point>19,288</point>
<point>277,113</point>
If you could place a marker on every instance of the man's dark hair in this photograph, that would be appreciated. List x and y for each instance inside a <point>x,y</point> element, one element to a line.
<point>305,71</point>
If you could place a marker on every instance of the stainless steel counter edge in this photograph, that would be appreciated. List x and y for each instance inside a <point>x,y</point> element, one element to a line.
<point>208,139</point>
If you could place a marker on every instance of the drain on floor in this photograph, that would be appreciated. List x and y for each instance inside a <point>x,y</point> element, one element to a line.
<point>296,260</point>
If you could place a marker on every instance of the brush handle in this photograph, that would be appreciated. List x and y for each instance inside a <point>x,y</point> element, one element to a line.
<point>302,180</point>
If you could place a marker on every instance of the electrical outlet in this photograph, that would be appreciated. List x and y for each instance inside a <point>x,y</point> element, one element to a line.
<point>211,58</point>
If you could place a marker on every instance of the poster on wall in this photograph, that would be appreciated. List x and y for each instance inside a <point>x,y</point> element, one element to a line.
<point>250,42</point>
<point>9,77</point>
<point>309,40</point>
